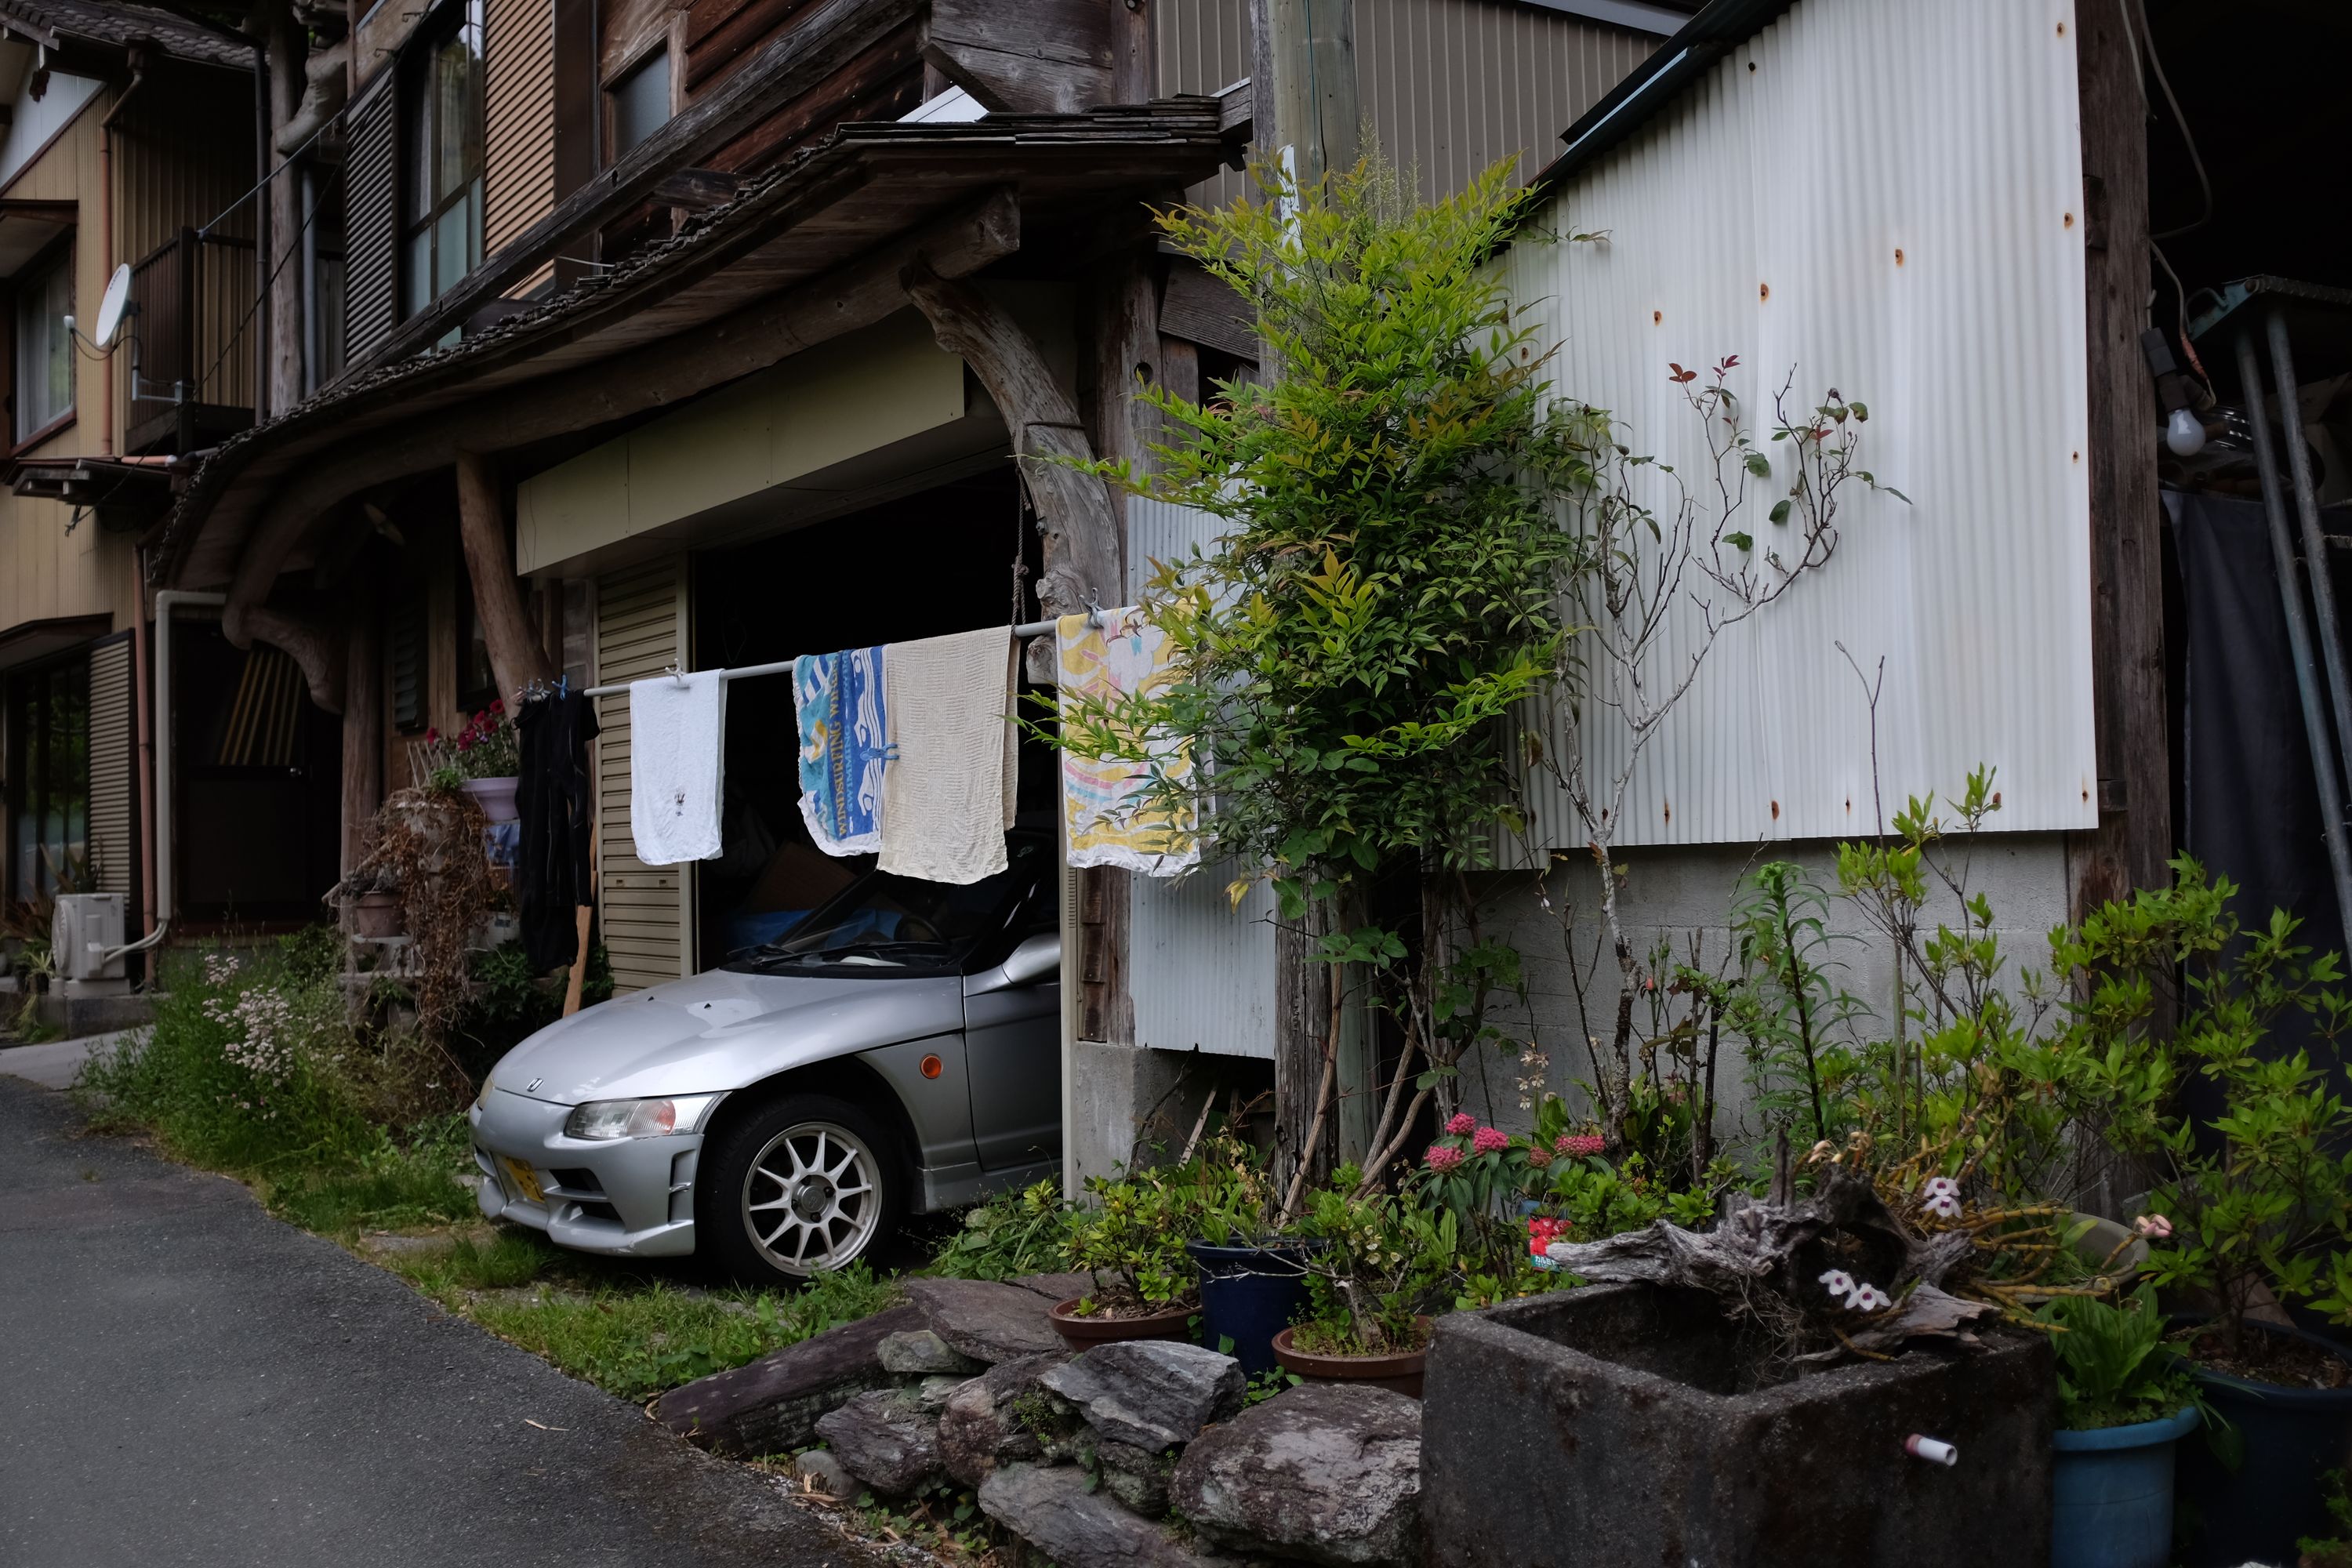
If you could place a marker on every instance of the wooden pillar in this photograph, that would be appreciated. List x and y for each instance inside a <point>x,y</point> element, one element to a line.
<point>518,657</point>
<point>364,705</point>
<point>1305,86</point>
<point>2134,838</point>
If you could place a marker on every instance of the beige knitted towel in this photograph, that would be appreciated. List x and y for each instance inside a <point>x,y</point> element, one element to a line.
<point>948,793</point>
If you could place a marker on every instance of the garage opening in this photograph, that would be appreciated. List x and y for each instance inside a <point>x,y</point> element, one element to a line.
<point>936,562</point>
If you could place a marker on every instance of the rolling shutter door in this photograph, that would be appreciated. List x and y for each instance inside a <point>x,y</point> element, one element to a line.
<point>371,222</point>
<point>641,630</point>
<point>517,124</point>
<point>114,756</point>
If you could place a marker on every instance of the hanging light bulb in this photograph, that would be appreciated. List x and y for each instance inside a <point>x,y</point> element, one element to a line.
<point>2184,434</point>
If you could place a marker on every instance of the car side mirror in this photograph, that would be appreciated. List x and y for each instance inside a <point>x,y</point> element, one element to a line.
<point>1035,959</point>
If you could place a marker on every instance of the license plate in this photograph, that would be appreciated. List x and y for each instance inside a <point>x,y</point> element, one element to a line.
<point>525,1179</point>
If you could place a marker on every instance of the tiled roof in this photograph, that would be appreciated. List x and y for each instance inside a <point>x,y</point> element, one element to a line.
<point>118,24</point>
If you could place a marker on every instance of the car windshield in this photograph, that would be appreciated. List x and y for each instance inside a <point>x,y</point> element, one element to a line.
<point>891,922</point>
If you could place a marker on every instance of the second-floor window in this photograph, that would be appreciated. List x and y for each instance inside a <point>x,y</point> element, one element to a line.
<point>442,209</point>
<point>45,358</point>
<point>640,102</point>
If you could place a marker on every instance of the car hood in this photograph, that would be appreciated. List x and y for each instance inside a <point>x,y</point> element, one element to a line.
<point>721,1030</point>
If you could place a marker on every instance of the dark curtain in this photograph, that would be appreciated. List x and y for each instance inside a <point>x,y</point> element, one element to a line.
<point>554,868</point>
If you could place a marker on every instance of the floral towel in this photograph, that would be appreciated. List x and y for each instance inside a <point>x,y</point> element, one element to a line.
<point>844,745</point>
<point>1109,821</point>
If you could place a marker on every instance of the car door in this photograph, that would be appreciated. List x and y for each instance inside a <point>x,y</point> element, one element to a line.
<point>1012,1052</point>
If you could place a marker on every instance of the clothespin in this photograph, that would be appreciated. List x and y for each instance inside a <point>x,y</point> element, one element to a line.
<point>673,669</point>
<point>1094,614</point>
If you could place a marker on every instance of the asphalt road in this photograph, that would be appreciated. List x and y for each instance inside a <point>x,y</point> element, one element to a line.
<point>185,1380</point>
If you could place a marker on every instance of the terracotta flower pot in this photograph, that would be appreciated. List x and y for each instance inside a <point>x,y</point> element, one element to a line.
<point>1084,1334</point>
<point>1401,1370</point>
<point>375,915</point>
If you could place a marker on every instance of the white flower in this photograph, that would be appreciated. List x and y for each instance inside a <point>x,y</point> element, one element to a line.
<point>1868,1298</point>
<point>1943,1206</point>
<point>1940,1187</point>
<point>1837,1282</point>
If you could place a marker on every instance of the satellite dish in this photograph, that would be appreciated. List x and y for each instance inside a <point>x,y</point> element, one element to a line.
<point>111,309</point>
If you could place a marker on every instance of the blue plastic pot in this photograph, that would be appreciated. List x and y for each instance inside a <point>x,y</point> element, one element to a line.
<point>2111,1494</point>
<point>2292,1438</point>
<point>1248,1295</point>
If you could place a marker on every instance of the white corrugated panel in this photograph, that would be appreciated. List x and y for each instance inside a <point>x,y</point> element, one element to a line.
<point>1201,971</point>
<point>1847,132</point>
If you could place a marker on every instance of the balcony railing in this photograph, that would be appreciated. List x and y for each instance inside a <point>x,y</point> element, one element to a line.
<point>195,331</point>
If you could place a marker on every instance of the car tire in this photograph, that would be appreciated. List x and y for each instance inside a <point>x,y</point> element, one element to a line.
<point>804,1184</point>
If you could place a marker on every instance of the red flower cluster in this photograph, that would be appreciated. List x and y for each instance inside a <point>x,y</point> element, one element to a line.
<point>1542,1231</point>
<point>1490,1141</point>
<point>1443,1157</point>
<point>1578,1145</point>
<point>1460,1122</point>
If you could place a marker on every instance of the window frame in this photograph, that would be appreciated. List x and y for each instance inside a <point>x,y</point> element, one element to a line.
<point>413,126</point>
<point>658,47</point>
<point>62,257</point>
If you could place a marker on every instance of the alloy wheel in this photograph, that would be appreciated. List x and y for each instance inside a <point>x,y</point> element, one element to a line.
<point>813,1197</point>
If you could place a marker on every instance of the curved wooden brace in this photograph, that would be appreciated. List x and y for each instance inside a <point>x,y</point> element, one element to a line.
<point>316,648</point>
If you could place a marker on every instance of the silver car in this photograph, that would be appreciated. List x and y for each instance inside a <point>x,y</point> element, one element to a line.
<point>899,1051</point>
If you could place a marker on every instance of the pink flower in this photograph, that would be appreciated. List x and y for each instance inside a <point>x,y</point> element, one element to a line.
<point>1462,1122</point>
<point>1538,1155</point>
<point>498,704</point>
<point>431,736</point>
<point>2154,1226</point>
<point>1490,1141</point>
<point>1578,1145</point>
<point>1443,1157</point>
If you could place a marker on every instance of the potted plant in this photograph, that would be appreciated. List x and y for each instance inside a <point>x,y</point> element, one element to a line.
<point>1380,1264</point>
<point>1131,1239</point>
<point>2254,1188</point>
<point>2124,1399</point>
<point>488,759</point>
<point>1253,1272</point>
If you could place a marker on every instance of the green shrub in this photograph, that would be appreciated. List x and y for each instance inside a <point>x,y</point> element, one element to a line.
<point>2114,1367</point>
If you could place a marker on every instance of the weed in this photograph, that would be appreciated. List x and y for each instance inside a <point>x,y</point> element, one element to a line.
<point>502,1261</point>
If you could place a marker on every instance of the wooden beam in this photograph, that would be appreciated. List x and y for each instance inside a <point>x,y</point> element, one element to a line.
<point>315,647</point>
<point>516,657</point>
<point>1074,507</point>
<point>363,704</point>
<point>1042,56</point>
<point>2134,790</point>
<point>856,294</point>
<point>792,64</point>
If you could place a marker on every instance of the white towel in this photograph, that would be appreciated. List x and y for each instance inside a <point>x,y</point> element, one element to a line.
<point>678,737</point>
<point>948,794</point>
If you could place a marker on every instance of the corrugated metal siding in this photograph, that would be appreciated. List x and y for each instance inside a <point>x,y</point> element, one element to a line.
<point>518,121</point>
<point>114,843</point>
<point>1454,85</point>
<point>1450,86</point>
<point>1846,132</point>
<point>641,630</point>
<point>371,222</point>
<point>1179,930</point>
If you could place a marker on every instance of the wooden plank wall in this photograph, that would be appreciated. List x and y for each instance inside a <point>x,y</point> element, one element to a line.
<point>641,630</point>
<point>882,83</point>
<point>518,122</point>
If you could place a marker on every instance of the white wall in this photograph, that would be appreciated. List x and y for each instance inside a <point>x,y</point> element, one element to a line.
<point>36,121</point>
<point>1884,197</point>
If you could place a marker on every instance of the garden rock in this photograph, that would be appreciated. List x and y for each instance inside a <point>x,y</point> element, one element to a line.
<point>979,1425</point>
<point>771,1404</point>
<point>1154,1393</point>
<point>1135,1476</point>
<point>984,1320</point>
<point>1324,1473</point>
<point>885,1439</point>
<point>1058,1287</point>
<point>819,1470</point>
<point>919,1353</point>
<point>933,1392</point>
<point>1053,1510</point>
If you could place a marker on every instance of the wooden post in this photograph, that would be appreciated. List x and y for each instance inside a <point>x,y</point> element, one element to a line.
<point>517,656</point>
<point>1307,117</point>
<point>2134,840</point>
<point>364,700</point>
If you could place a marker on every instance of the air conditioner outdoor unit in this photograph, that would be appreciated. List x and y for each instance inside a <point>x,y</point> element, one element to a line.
<point>86,927</point>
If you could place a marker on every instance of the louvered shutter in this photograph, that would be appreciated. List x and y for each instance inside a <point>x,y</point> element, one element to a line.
<point>113,762</point>
<point>371,220</point>
<point>517,124</point>
<point>407,663</point>
<point>648,910</point>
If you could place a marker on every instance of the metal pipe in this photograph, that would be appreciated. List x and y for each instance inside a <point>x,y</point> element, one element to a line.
<point>2298,634</point>
<point>166,601</point>
<point>2314,544</point>
<point>1025,629</point>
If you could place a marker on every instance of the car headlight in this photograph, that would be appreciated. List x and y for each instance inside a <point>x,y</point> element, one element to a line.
<point>609,1119</point>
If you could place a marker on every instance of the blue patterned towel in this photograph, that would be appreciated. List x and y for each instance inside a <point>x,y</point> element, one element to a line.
<point>844,746</point>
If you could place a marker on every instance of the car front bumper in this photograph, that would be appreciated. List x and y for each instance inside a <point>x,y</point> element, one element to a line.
<point>626,1198</point>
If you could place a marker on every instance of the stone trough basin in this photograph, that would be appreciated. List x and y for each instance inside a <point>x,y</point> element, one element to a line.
<point>1625,1425</point>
